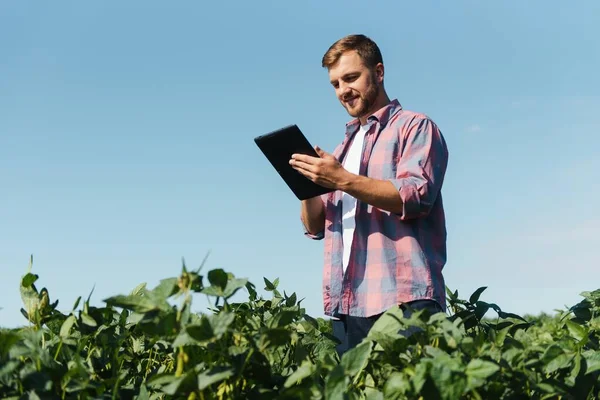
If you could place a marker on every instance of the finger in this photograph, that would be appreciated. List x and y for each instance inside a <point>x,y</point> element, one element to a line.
<point>322,153</point>
<point>305,158</point>
<point>304,166</point>
<point>306,173</point>
<point>319,151</point>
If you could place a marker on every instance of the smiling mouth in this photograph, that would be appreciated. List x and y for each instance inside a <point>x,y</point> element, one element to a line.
<point>351,100</point>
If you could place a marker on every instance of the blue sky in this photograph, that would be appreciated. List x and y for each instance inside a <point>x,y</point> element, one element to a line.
<point>126,140</point>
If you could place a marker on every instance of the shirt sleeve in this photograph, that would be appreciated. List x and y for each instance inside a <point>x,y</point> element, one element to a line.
<point>421,167</point>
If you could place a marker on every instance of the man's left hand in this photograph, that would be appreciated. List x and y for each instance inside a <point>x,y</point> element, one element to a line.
<point>324,170</point>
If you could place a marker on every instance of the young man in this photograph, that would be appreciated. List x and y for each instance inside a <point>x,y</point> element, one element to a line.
<point>383,227</point>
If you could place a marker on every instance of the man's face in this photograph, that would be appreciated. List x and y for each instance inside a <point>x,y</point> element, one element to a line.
<point>356,86</point>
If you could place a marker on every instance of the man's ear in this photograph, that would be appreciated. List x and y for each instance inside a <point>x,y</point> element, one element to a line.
<point>379,72</point>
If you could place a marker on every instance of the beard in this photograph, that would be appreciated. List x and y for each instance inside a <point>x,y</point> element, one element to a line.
<point>364,101</point>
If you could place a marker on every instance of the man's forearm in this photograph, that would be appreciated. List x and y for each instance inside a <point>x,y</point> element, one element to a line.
<point>378,193</point>
<point>313,215</point>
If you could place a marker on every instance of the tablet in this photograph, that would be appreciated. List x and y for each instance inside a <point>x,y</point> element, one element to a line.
<point>278,147</point>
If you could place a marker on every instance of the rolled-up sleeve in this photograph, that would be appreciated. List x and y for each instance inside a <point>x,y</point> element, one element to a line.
<point>317,236</point>
<point>421,167</point>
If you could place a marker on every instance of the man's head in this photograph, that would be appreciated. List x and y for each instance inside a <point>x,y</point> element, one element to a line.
<point>356,72</point>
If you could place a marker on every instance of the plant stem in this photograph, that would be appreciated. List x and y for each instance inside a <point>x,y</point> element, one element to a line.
<point>58,350</point>
<point>148,363</point>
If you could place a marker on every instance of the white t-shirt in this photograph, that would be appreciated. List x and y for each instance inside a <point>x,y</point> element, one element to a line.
<point>351,164</point>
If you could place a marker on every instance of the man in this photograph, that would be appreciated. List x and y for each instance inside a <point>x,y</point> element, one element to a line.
<point>383,226</point>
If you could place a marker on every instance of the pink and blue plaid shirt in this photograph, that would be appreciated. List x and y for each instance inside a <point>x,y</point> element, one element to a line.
<point>395,258</point>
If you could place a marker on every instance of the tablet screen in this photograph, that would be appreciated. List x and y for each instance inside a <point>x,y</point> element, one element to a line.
<point>278,147</point>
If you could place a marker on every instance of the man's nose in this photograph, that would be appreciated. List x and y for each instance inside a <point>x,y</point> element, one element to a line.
<point>345,91</point>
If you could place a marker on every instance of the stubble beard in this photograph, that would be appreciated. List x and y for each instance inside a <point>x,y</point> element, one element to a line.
<point>366,102</point>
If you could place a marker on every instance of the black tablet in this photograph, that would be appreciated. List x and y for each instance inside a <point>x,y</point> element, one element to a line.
<point>278,147</point>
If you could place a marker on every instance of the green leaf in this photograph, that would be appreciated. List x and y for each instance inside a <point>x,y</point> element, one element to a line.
<point>221,322</point>
<point>420,377</point>
<point>555,358</point>
<point>582,310</point>
<point>481,369</point>
<point>7,340</point>
<point>475,296</point>
<point>212,291</point>
<point>283,318</point>
<point>33,395</point>
<point>505,315</point>
<point>214,375</point>
<point>389,323</point>
<point>291,301</point>
<point>336,384</point>
<point>29,294</point>
<point>76,304</point>
<point>576,330</point>
<point>87,320</point>
<point>468,318</point>
<point>480,309</point>
<point>66,326</point>
<point>201,332</point>
<point>29,279</point>
<point>268,285</point>
<point>396,387</point>
<point>501,335</point>
<point>592,360</point>
<point>143,395</point>
<point>7,369</point>
<point>548,388</point>
<point>197,284</point>
<point>218,278</point>
<point>450,295</point>
<point>184,339</point>
<point>137,303</point>
<point>305,370</point>
<point>210,327</point>
<point>275,337</point>
<point>182,384</point>
<point>233,285</point>
<point>138,290</point>
<point>576,368</point>
<point>161,379</point>
<point>355,360</point>
<point>137,345</point>
<point>311,321</point>
<point>373,394</point>
<point>166,288</point>
<point>251,291</point>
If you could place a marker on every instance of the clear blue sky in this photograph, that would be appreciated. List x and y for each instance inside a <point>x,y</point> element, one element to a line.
<point>126,139</point>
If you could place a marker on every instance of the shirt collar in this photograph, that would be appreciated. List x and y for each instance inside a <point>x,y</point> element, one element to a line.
<point>383,115</point>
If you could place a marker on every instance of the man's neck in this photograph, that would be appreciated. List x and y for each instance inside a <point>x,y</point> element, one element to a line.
<point>382,101</point>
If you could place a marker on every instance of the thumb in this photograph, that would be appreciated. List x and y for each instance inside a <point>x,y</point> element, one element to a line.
<point>320,151</point>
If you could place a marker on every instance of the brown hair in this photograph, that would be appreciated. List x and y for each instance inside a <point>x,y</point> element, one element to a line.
<point>364,46</point>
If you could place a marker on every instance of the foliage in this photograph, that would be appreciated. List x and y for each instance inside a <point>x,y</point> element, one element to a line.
<point>148,344</point>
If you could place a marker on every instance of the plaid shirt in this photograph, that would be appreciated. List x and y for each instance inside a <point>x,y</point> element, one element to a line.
<point>395,258</point>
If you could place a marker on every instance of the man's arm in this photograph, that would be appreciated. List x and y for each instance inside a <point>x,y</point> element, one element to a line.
<point>327,171</point>
<point>413,191</point>
<point>312,213</point>
<point>378,193</point>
